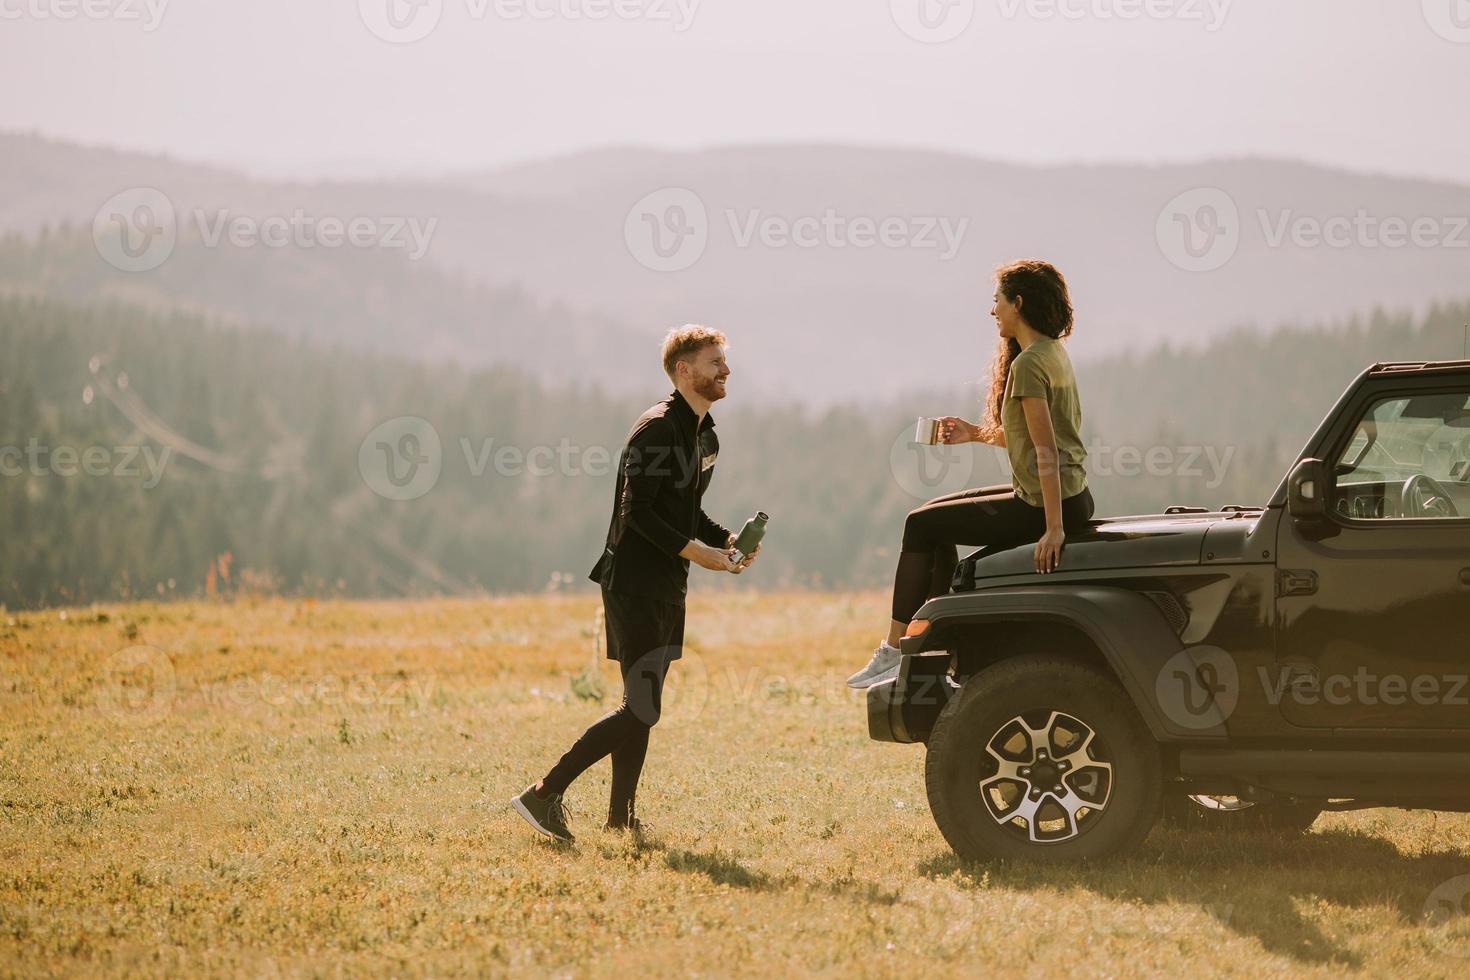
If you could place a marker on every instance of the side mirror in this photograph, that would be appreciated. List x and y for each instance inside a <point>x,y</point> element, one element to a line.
<point>1307,490</point>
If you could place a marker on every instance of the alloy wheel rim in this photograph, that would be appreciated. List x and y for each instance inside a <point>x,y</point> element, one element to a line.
<point>1049,777</point>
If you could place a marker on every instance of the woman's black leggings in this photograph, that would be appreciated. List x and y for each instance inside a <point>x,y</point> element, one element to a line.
<point>982,517</point>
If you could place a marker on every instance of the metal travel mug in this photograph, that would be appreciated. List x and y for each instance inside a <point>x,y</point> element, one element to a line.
<point>927,433</point>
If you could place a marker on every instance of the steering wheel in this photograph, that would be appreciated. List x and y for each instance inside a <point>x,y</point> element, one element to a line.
<point>1414,503</point>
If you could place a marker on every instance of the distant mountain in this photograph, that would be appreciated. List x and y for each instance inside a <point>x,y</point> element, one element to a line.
<point>849,317</point>
<point>366,300</point>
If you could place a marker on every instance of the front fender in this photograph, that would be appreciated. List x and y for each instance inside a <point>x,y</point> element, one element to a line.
<point>1126,627</point>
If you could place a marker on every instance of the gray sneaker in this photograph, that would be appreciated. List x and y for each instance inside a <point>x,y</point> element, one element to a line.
<point>549,816</point>
<point>883,665</point>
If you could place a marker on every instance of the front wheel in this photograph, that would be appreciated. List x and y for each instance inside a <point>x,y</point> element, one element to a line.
<point>1042,759</point>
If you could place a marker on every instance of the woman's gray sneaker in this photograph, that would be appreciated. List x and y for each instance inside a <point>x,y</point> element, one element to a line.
<point>549,816</point>
<point>883,665</point>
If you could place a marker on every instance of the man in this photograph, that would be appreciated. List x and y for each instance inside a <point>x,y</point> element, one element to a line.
<point>658,528</point>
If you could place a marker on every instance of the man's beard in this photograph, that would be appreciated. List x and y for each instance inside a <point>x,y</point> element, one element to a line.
<point>709,389</point>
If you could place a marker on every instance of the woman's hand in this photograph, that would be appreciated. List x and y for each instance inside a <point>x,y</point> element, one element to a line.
<point>953,431</point>
<point>1049,550</point>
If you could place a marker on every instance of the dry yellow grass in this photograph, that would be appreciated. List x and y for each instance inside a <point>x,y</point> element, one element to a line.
<point>287,788</point>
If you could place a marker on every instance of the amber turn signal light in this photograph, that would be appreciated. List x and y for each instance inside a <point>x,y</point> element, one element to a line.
<point>917,627</point>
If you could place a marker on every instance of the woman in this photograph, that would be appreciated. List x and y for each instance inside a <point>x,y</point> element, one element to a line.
<point>1033,413</point>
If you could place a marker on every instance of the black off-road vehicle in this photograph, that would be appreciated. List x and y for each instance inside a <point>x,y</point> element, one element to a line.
<point>1241,667</point>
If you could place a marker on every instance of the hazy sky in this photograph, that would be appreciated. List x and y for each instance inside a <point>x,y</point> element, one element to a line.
<point>306,87</point>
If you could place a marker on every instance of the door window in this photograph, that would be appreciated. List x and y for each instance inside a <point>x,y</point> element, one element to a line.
<point>1408,459</point>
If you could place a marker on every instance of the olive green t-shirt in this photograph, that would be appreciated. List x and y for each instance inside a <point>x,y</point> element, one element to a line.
<point>1045,371</point>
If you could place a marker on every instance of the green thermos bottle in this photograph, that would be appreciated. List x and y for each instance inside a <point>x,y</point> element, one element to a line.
<point>750,535</point>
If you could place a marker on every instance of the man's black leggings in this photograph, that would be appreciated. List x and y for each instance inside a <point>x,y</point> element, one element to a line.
<point>645,636</point>
<point>984,516</point>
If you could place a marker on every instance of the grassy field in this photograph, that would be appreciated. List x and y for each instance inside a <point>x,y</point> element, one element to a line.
<point>284,788</point>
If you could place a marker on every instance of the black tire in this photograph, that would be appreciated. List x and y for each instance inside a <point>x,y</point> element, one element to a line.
<point>1284,817</point>
<point>970,745</point>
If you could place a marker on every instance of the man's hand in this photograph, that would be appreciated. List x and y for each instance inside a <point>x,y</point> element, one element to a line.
<point>744,563</point>
<point>715,559</point>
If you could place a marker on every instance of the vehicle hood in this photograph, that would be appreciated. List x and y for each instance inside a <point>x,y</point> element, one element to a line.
<point>1148,540</point>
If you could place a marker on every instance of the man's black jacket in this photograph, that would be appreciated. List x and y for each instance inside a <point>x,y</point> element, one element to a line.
<point>662,475</point>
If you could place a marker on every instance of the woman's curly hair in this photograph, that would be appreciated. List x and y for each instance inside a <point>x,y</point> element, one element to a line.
<point>1046,306</point>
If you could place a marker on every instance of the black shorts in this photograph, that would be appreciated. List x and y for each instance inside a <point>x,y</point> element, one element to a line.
<point>642,629</point>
